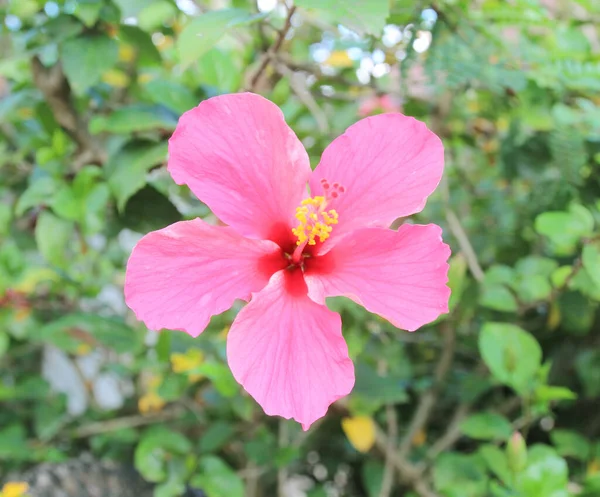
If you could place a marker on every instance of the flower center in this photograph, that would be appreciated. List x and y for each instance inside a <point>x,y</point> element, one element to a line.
<point>314,219</point>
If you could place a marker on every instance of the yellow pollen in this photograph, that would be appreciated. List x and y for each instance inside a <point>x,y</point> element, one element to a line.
<point>314,221</point>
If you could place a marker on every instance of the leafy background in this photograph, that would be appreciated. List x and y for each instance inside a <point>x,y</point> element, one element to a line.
<point>90,91</point>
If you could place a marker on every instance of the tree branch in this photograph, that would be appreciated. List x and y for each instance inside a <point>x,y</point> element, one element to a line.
<point>53,84</point>
<point>387,483</point>
<point>429,398</point>
<point>266,58</point>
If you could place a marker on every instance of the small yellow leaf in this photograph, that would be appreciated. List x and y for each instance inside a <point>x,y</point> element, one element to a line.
<point>339,58</point>
<point>151,402</point>
<point>183,363</point>
<point>116,78</point>
<point>554,316</point>
<point>360,431</point>
<point>126,53</point>
<point>14,489</point>
<point>419,439</point>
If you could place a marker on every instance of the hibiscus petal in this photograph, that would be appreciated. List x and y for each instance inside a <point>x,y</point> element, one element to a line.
<point>288,352</point>
<point>399,275</point>
<point>180,276</point>
<point>238,155</point>
<point>388,165</point>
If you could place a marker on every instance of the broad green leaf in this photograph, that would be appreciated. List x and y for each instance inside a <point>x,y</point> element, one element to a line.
<point>84,201</point>
<point>570,444</point>
<point>495,460</point>
<point>88,12</point>
<point>154,15</point>
<point>158,446</point>
<point>71,330</point>
<point>147,53</point>
<point>202,33</point>
<point>591,262</point>
<point>458,475</point>
<point>360,16</point>
<point>216,435</point>
<point>497,297</point>
<point>86,57</point>
<point>565,228</point>
<point>587,366</point>
<point>132,7</point>
<point>372,476</point>
<point>52,235</point>
<point>546,474</point>
<point>135,118</point>
<point>486,426</point>
<point>217,479</point>
<point>513,355</point>
<point>173,95</point>
<point>39,192</point>
<point>577,312</point>
<point>126,169</point>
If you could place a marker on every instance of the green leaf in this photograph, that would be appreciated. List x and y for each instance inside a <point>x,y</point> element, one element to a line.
<point>571,444</point>
<point>149,210</point>
<point>363,17</point>
<point>88,12</point>
<point>126,169</point>
<point>154,15</point>
<point>591,262</point>
<point>220,375</point>
<point>37,193</point>
<point>216,436</point>
<point>457,475</point>
<point>565,229</point>
<point>127,120</point>
<point>498,298</point>
<point>156,448</point>
<point>587,366</point>
<point>4,343</point>
<point>513,355</point>
<point>86,57</point>
<point>495,460</point>
<point>372,477</point>
<point>110,332</point>
<point>457,278</point>
<point>373,390</point>
<point>147,53</point>
<point>200,35</point>
<point>175,96</point>
<point>84,201</point>
<point>132,7</point>
<point>52,235</point>
<point>217,479</point>
<point>546,474</point>
<point>486,426</point>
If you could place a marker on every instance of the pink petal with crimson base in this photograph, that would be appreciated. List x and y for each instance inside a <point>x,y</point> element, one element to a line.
<point>288,352</point>
<point>180,276</point>
<point>399,275</point>
<point>238,155</point>
<point>388,165</point>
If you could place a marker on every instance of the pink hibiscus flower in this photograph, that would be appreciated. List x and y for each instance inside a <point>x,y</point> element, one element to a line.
<point>285,251</point>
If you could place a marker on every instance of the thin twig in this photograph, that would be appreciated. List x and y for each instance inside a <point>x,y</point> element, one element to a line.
<point>255,78</point>
<point>282,473</point>
<point>56,90</point>
<point>387,483</point>
<point>464,243</point>
<point>428,399</point>
<point>299,87</point>
<point>452,433</point>
<point>134,421</point>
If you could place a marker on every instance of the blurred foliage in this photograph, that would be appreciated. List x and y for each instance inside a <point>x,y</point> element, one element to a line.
<point>90,91</point>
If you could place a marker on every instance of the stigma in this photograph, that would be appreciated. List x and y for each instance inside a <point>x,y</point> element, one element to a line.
<point>315,220</point>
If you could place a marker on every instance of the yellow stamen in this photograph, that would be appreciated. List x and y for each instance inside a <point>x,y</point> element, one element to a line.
<point>314,221</point>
